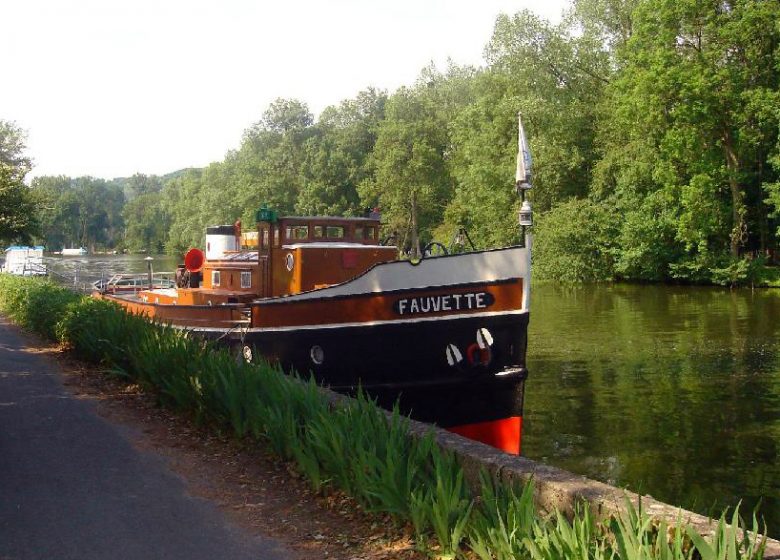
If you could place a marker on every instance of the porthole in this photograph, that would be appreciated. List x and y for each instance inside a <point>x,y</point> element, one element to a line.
<point>289,261</point>
<point>246,351</point>
<point>317,355</point>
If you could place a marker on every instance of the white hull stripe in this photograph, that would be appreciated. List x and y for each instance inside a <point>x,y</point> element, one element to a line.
<point>467,268</point>
<point>355,324</point>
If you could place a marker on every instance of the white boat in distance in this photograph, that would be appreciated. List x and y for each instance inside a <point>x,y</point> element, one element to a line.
<point>75,252</point>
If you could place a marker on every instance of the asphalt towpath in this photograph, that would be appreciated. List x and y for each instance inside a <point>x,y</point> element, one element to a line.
<point>73,486</point>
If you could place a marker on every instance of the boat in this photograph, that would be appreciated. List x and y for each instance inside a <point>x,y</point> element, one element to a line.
<point>22,260</point>
<point>74,252</point>
<point>442,336</point>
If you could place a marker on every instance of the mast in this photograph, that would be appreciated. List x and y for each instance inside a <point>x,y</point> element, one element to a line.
<point>523,176</point>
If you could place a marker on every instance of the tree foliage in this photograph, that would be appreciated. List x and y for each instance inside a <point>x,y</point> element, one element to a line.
<point>18,218</point>
<point>653,124</point>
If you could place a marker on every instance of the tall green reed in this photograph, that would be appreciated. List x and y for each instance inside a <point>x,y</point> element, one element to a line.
<point>504,518</point>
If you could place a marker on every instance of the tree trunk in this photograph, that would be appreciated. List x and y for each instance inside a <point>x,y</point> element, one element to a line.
<point>738,210</point>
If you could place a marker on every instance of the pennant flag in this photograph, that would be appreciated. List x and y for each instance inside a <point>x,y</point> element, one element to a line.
<point>523,174</point>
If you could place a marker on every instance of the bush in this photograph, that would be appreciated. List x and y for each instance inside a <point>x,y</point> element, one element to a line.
<point>34,303</point>
<point>575,242</point>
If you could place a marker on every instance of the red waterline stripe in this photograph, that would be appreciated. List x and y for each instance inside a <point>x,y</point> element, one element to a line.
<point>504,434</point>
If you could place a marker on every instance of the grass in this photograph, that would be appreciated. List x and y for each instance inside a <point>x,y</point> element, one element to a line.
<point>354,447</point>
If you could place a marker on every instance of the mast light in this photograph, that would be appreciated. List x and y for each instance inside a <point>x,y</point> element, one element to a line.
<point>526,214</point>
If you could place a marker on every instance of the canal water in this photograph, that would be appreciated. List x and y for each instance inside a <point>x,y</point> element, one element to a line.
<point>666,390</point>
<point>83,270</point>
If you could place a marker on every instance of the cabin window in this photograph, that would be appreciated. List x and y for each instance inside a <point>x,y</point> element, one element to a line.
<point>215,277</point>
<point>359,233</point>
<point>371,232</point>
<point>246,279</point>
<point>276,236</point>
<point>318,231</point>
<point>334,232</point>
<point>297,232</point>
<point>264,241</point>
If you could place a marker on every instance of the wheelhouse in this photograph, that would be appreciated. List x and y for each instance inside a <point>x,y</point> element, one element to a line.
<point>285,255</point>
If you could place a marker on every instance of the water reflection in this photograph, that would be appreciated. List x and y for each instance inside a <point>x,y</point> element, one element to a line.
<point>670,391</point>
<point>86,269</point>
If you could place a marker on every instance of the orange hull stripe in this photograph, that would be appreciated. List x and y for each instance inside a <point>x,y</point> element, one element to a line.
<point>216,316</point>
<point>376,307</point>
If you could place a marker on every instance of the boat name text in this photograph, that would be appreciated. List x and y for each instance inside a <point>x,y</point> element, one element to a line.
<point>448,302</point>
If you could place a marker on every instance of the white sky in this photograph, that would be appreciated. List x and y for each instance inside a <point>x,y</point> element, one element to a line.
<point>109,88</point>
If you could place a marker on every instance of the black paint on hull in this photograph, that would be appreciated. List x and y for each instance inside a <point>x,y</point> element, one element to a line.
<point>408,361</point>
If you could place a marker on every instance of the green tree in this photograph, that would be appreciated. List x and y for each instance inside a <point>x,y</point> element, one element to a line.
<point>147,223</point>
<point>58,211</point>
<point>267,168</point>
<point>556,76</point>
<point>411,181</point>
<point>410,174</point>
<point>18,219</point>
<point>139,184</point>
<point>694,112</point>
<point>79,212</point>
<point>336,155</point>
<point>179,201</point>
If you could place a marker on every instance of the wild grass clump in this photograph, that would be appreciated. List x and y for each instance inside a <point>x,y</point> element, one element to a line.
<point>353,445</point>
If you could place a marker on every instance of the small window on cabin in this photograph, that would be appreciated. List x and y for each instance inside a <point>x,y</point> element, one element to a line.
<point>318,231</point>
<point>371,232</point>
<point>246,279</point>
<point>334,232</point>
<point>276,236</point>
<point>359,233</point>
<point>264,242</point>
<point>297,232</point>
<point>215,277</point>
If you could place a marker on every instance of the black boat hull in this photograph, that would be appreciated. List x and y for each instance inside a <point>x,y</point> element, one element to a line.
<point>407,363</point>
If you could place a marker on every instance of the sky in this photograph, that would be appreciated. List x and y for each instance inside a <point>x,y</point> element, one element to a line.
<point>107,88</point>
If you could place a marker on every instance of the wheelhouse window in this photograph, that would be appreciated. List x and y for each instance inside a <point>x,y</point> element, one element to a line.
<point>334,232</point>
<point>264,239</point>
<point>318,231</point>
<point>370,233</point>
<point>276,236</point>
<point>246,279</point>
<point>359,233</point>
<point>215,277</point>
<point>296,233</point>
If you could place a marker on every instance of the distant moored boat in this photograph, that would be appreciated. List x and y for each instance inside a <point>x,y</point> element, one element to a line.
<point>75,252</point>
<point>24,261</point>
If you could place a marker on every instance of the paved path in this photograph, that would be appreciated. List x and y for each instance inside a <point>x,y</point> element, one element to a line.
<point>72,486</point>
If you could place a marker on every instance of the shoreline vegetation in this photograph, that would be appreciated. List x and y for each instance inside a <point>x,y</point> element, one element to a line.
<point>352,447</point>
<point>654,125</point>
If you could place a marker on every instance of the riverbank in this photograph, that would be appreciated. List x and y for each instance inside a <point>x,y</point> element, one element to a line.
<point>348,445</point>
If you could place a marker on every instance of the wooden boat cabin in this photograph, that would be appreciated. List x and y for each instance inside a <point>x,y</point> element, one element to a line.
<point>286,255</point>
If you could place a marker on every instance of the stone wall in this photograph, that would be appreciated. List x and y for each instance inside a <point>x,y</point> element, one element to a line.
<point>556,488</point>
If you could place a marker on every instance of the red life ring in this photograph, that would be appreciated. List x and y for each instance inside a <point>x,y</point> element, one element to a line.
<point>478,356</point>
